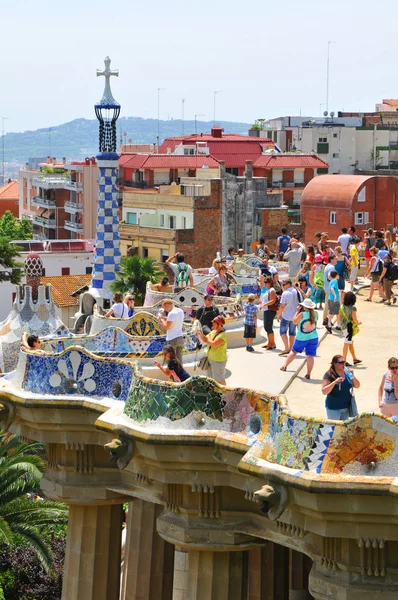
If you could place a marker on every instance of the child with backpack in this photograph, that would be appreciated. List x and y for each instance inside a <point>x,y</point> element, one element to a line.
<point>317,281</point>
<point>388,276</point>
<point>350,324</point>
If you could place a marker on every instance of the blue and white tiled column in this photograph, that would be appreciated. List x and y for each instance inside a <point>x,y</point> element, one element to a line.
<point>107,242</point>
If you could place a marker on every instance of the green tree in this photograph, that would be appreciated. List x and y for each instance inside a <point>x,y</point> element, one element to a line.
<point>134,274</point>
<point>21,468</point>
<point>15,229</point>
<point>10,269</point>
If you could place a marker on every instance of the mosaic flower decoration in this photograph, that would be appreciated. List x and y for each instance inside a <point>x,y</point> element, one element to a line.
<point>72,377</point>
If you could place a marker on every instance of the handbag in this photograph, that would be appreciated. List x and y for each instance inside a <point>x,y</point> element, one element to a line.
<point>203,364</point>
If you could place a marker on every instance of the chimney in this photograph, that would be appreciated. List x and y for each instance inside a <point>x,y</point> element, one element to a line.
<point>222,168</point>
<point>217,131</point>
<point>249,169</point>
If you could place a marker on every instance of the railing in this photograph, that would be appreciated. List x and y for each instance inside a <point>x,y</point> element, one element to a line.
<point>66,246</point>
<point>286,184</point>
<point>46,221</point>
<point>39,201</point>
<point>73,225</point>
<point>50,182</point>
<point>75,186</point>
<point>73,206</point>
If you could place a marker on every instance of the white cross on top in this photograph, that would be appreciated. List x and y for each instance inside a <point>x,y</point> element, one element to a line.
<point>107,73</point>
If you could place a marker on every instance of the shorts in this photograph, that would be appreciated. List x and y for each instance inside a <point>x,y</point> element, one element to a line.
<point>333,307</point>
<point>367,253</point>
<point>309,346</point>
<point>341,283</point>
<point>217,370</point>
<point>338,414</point>
<point>354,274</point>
<point>250,331</point>
<point>285,325</point>
<point>375,277</point>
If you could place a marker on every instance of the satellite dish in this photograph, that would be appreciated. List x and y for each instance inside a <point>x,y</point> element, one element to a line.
<point>332,114</point>
<point>325,114</point>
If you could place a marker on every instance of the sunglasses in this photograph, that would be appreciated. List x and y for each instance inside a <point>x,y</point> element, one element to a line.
<point>394,368</point>
<point>340,362</point>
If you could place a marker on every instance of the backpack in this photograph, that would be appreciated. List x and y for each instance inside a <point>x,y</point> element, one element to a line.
<point>394,272</point>
<point>379,267</point>
<point>182,277</point>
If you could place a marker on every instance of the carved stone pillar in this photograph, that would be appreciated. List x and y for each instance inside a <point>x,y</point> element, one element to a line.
<point>216,576</point>
<point>180,581</point>
<point>93,551</point>
<point>149,560</point>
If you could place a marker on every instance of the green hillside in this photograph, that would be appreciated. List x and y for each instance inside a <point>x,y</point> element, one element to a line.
<point>79,138</point>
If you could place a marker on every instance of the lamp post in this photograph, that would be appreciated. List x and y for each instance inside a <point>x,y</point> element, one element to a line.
<point>3,147</point>
<point>327,76</point>
<point>158,137</point>
<point>198,115</point>
<point>214,104</point>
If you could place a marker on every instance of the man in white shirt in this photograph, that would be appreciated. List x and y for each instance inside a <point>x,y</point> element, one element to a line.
<point>172,321</point>
<point>344,240</point>
<point>183,277</point>
<point>290,300</point>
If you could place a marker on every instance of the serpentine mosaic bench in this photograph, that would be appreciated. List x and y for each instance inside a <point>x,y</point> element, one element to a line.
<point>258,425</point>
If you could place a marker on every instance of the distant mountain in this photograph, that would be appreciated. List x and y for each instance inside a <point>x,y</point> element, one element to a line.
<point>79,138</point>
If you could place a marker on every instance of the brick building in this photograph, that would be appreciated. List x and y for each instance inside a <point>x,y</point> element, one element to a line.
<point>289,173</point>
<point>330,202</point>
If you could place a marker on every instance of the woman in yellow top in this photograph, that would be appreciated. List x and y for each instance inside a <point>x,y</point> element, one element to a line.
<point>216,342</point>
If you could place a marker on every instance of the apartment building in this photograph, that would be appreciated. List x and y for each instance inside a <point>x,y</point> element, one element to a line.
<point>60,199</point>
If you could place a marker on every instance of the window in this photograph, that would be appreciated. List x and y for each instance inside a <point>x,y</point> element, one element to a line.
<point>145,253</point>
<point>362,195</point>
<point>322,148</point>
<point>131,218</point>
<point>164,255</point>
<point>323,140</point>
<point>336,155</point>
<point>184,222</point>
<point>65,271</point>
<point>161,220</point>
<point>335,135</point>
<point>172,222</point>
<point>361,218</point>
<point>297,198</point>
<point>43,272</point>
<point>89,270</point>
<point>332,218</point>
<point>189,151</point>
<point>232,171</point>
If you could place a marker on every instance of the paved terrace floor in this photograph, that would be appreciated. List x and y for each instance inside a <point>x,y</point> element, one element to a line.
<point>376,342</point>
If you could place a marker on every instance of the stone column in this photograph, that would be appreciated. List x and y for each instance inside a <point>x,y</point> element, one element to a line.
<point>93,552</point>
<point>149,560</point>
<point>180,580</point>
<point>269,573</point>
<point>299,569</point>
<point>216,576</point>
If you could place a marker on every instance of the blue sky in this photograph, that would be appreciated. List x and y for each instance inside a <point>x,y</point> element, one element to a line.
<point>268,58</point>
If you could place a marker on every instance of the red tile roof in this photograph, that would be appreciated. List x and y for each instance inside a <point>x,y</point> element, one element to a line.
<point>167,161</point>
<point>291,161</point>
<point>334,191</point>
<point>9,191</point>
<point>63,286</point>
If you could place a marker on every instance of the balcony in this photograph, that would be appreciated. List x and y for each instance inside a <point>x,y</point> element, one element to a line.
<point>74,186</point>
<point>73,207</point>
<point>73,226</point>
<point>50,182</point>
<point>286,184</point>
<point>43,202</point>
<point>47,222</point>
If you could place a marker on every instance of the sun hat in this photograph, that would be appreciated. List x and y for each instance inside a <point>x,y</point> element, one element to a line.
<point>307,303</point>
<point>318,258</point>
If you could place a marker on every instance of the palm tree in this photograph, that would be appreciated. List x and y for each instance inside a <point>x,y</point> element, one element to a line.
<point>21,469</point>
<point>134,274</point>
